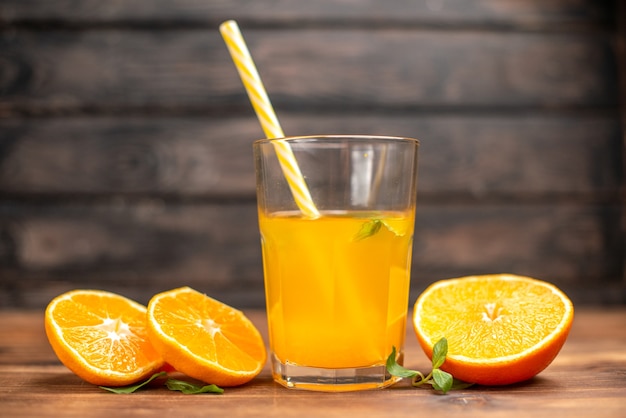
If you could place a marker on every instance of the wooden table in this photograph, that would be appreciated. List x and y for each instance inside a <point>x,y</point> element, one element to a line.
<point>588,379</point>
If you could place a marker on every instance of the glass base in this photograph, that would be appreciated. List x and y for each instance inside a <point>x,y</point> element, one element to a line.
<point>331,380</point>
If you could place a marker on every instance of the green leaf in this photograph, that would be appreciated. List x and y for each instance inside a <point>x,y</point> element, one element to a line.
<point>459,384</point>
<point>397,370</point>
<point>133,388</point>
<point>437,378</point>
<point>191,388</point>
<point>442,380</point>
<point>440,351</point>
<point>368,229</point>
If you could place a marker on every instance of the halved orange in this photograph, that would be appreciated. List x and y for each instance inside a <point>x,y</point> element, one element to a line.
<point>204,338</point>
<point>501,329</point>
<point>101,336</point>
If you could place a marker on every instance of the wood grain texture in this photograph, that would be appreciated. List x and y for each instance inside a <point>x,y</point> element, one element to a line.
<point>531,14</point>
<point>586,379</point>
<point>394,68</point>
<point>141,249</point>
<point>199,157</point>
<point>125,136</point>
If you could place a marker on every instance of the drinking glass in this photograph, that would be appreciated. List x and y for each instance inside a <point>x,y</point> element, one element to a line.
<point>337,284</point>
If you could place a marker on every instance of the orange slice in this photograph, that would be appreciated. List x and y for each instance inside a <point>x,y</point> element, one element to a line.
<point>101,337</point>
<point>501,329</point>
<point>204,338</point>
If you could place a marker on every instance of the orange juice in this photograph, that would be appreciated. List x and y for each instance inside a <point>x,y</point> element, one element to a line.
<point>336,286</point>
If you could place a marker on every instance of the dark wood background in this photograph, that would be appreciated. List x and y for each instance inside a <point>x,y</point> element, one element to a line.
<point>125,136</point>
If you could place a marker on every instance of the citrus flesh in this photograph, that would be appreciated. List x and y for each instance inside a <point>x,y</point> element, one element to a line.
<point>204,338</point>
<point>501,329</point>
<point>101,337</point>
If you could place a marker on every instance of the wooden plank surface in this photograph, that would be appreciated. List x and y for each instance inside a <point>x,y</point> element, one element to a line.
<point>586,379</point>
<point>140,249</point>
<point>531,14</point>
<point>537,155</point>
<point>125,136</point>
<point>190,70</point>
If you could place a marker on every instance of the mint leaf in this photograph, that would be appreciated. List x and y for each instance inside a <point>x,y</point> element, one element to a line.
<point>442,380</point>
<point>437,378</point>
<point>191,388</point>
<point>440,351</point>
<point>395,369</point>
<point>459,384</point>
<point>133,388</point>
<point>368,229</point>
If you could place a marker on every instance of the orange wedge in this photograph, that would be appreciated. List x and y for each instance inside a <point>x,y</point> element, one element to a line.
<point>204,338</point>
<point>501,329</point>
<point>101,337</point>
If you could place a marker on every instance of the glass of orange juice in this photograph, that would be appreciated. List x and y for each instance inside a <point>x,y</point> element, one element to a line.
<point>337,285</point>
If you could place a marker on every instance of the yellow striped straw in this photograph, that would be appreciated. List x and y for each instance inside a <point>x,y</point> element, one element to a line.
<point>269,122</point>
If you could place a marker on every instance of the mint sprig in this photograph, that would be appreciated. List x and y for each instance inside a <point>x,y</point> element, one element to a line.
<point>191,388</point>
<point>368,229</point>
<point>437,378</point>
<point>171,384</point>
<point>133,388</point>
<point>372,227</point>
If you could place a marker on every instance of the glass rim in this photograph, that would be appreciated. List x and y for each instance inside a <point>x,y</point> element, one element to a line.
<point>340,137</point>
